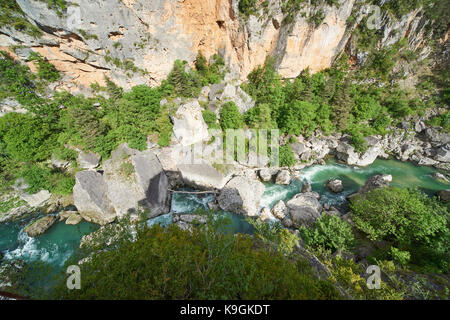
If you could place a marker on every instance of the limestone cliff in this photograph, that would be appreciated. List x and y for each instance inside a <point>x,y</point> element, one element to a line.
<point>136,41</point>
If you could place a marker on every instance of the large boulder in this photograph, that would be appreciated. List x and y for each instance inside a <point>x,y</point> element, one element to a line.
<point>153,182</point>
<point>279,210</point>
<point>241,195</point>
<point>265,214</point>
<point>88,160</point>
<point>376,182</point>
<point>346,152</point>
<point>266,174</point>
<point>131,180</point>
<point>90,195</point>
<point>304,209</point>
<point>437,136</point>
<point>443,153</point>
<point>202,176</point>
<point>306,187</point>
<point>335,185</point>
<point>188,124</point>
<point>36,200</point>
<point>283,177</point>
<point>74,219</point>
<point>40,226</point>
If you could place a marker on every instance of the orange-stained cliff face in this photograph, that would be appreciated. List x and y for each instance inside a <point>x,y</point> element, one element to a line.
<point>153,34</point>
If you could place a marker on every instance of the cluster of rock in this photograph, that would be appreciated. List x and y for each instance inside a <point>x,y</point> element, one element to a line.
<point>424,146</point>
<point>103,195</point>
<point>40,226</point>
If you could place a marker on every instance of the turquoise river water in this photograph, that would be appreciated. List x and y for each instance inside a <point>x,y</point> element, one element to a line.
<point>61,241</point>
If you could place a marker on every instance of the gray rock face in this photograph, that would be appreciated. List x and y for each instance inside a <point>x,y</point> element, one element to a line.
<point>135,180</point>
<point>306,187</point>
<point>304,209</point>
<point>202,176</point>
<point>346,152</point>
<point>40,226</point>
<point>440,177</point>
<point>242,196</point>
<point>435,135</point>
<point>419,126</point>
<point>153,181</point>
<point>10,105</point>
<point>74,219</point>
<point>190,218</point>
<point>283,177</point>
<point>88,160</point>
<point>91,198</point>
<point>265,214</point>
<point>36,200</point>
<point>15,213</point>
<point>376,182</point>
<point>188,124</point>
<point>280,210</point>
<point>335,186</point>
<point>267,174</point>
<point>225,92</point>
<point>61,164</point>
<point>443,153</point>
<point>63,215</point>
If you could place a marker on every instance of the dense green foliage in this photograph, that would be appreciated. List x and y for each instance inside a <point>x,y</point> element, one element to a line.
<point>274,235</point>
<point>210,119</point>
<point>230,117</point>
<point>329,101</point>
<point>203,264</point>
<point>410,221</point>
<point>28,141</point>
<point>286,156</point>
<point>329,232</point>
<point>46,70</point>
<point>187,82</point>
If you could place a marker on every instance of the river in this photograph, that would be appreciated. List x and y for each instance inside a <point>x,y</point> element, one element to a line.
<point>61,241</point>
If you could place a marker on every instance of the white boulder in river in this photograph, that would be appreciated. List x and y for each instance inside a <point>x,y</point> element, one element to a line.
<point>91,198</point>
<point>304,209</point>
<point>241,195</point>
<point>202,176</point>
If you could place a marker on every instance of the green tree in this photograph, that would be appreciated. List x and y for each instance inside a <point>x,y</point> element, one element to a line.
<point>230,117</point>
<point>329,232</point>
<point>203,264</point>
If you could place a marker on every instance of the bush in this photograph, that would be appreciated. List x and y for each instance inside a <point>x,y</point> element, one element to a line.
<point>230,117</point>
<point>330,233</point>
<point>40,177</point>
<point>287,157</point>
<point>185,83</point>
<point>298,118</point>
<point>401,257</point>
<point>46,71</point>
<point>210,119</point>
<point>274,235</point>
<point>248,7</point>
<point>408,219</point>
<point>203,264</point>
<point>26,138</point>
